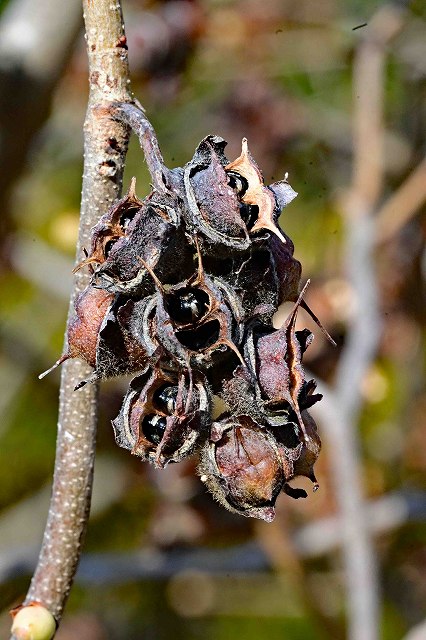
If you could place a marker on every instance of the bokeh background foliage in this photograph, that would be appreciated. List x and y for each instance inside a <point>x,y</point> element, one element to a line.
<point>160,557</point>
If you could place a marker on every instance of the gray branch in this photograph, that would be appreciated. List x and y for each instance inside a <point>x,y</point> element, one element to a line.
<point>105,148</point>
<point>339,410</point>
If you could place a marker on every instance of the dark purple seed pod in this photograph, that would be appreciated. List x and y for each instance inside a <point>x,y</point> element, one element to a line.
<point>165,416</point>
<point>275,359</point>
<point>111,227</point>
<point>193,323</point>
<point>212,203</point>
<point>120,350</point>
<point>91,306</point>
<point>241,466</point>
<point>152,238</point>
<point>103,334</point>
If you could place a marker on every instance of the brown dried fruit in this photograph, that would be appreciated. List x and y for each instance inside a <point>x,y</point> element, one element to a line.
<point>241,466</point>
<point>299,459</point>
<point>279,364</point>
<point>91,307</point>
<point>213,208</point>
<point>111,227</point>
<point>164,416</point>
<point>155,306</point>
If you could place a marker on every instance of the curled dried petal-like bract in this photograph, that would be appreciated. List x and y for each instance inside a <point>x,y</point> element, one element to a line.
<point>111,227</point>
<point>256,194</point>
<point>91,307</point>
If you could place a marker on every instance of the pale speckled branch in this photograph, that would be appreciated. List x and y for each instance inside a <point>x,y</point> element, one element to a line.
<point>105,148</point>
<point>340,409</point>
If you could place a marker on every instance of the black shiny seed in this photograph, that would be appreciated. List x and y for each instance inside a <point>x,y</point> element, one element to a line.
<point>153,427</point>
<point>249,213</point>
<point>290,435</point>
<point>237,182</point>
<point>127,216</point>
<point>201,337</point>
<point>165,398</point>
<point>187,306</point>
<point>108,246</point>
<point>287,434</point>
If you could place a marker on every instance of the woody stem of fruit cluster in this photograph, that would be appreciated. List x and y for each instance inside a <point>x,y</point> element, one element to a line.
<point>105,146</point>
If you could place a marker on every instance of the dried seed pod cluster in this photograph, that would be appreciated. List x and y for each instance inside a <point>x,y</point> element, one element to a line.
<point>183,289</point>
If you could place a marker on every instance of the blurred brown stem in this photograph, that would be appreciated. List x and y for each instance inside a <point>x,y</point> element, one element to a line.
<point>403,204</point>
<point>105,146</point>
<point>284,557</point>
<point>340,409</point>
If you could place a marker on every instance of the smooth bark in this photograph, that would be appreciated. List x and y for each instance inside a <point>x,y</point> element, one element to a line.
<point>105,146</point>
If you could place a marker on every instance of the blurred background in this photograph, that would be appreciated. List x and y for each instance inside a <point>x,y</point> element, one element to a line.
<point>316,87</point>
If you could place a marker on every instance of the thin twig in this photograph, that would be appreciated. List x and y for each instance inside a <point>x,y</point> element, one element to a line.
<point>134,116</point>
<point>105,147</point>
<point>368,88</point>
<point>340,409</point>
<point>356,538</point>
<point>403,204</point>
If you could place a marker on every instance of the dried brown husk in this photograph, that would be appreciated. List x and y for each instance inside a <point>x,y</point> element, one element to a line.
<point>143,258</point>
<point>154,238</point>
<point>241,466</point>
<point>111,227</point>
<point>278,364</point>
<point>212,208</point>
<point>185,428</point>
<point>91,306</point>
<point>267,200</point>
<point>299,459</point>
